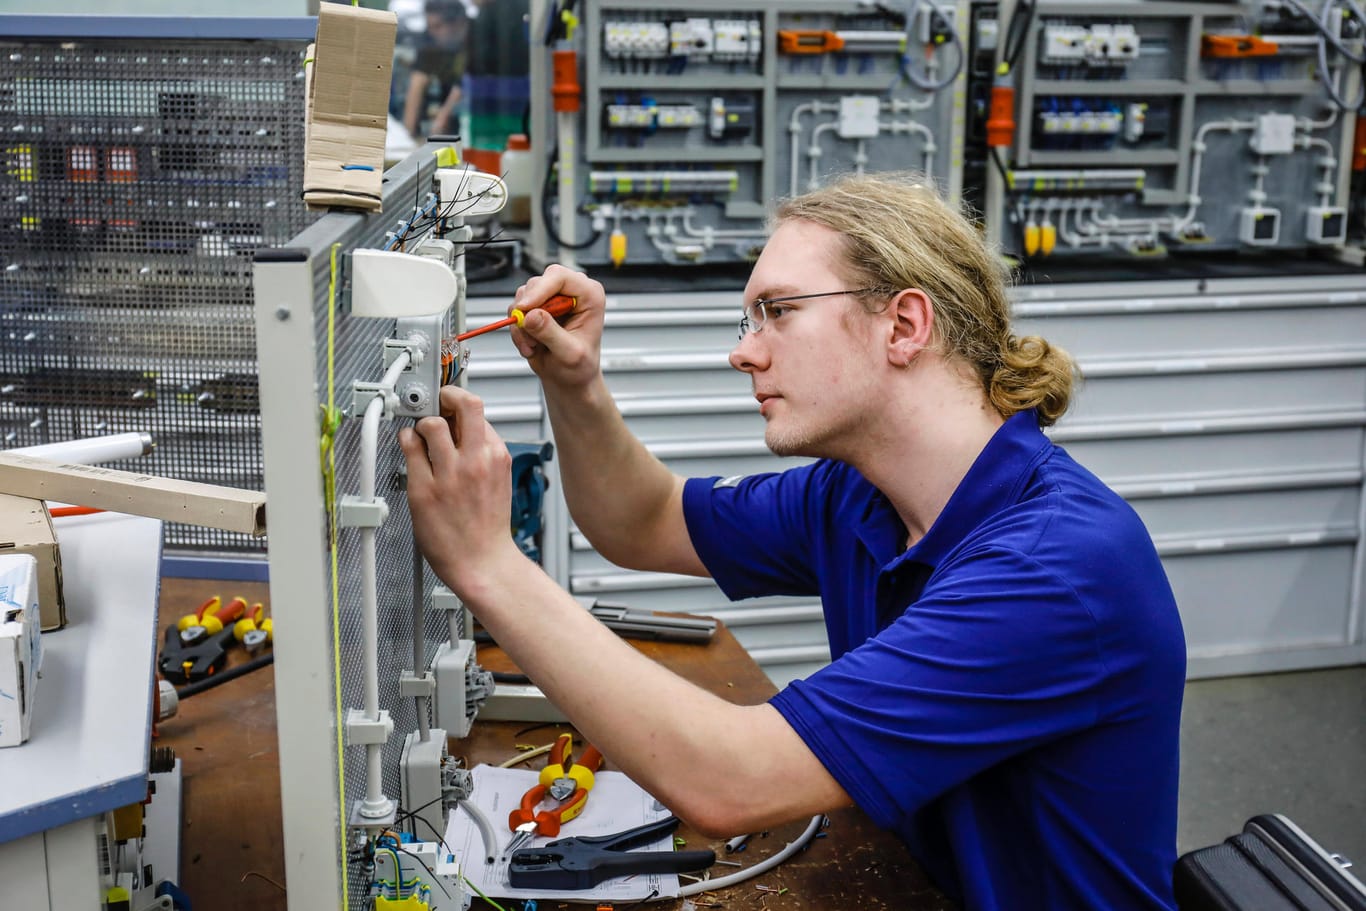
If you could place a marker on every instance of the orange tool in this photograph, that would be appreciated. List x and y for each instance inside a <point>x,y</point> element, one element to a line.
<point>1237,46</point>
<point>558,306</point>
<point>808,41</point>
<point>210,619</point>
<point>562,779</point>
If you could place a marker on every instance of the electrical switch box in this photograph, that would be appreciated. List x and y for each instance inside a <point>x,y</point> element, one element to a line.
<point>1274,134</point>
<point>1259,227</point>
<point>858,117</point>
<point>1326,225</point>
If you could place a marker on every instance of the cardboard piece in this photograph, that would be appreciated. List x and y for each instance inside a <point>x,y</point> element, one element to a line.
<point>21,648</point>
<point>348,106</point>
<point>26,528</point>
<point>141,495</point>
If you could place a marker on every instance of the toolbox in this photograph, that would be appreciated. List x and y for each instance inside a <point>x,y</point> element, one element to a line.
<point>1272,865</point>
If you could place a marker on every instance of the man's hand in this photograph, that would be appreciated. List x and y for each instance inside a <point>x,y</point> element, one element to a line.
<point>562,355</point>
<point>460,493</point>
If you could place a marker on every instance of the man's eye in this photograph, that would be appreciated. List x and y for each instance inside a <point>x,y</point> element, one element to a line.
<point>777,310</point>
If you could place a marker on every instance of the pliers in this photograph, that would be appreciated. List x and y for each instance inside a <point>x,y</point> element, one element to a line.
<point>584,861</point>
<point>562,779</point>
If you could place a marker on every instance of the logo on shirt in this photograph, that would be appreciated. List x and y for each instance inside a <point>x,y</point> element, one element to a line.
<point>732,481</point>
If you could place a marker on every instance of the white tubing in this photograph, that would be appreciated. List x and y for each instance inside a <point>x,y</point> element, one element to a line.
<point>375,800</point>
<point>763,866</point>
<point>566,135</point>
<point>93,450</point>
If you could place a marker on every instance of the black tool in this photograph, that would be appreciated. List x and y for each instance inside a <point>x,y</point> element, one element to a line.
<point>182,663</point>
<point>584,861</point>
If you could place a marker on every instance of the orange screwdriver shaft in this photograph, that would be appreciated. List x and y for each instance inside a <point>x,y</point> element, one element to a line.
<point>558,306</point>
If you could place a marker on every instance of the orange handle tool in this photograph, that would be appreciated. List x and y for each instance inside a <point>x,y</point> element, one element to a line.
<point>558,306</point>
<point>548,822</point>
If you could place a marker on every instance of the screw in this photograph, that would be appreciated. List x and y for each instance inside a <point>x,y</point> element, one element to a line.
<point>282,314</point>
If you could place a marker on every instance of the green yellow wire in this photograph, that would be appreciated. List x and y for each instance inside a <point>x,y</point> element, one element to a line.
<point>331,421</point>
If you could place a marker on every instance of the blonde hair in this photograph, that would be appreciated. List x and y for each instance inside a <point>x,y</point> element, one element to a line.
<point>897,232</point>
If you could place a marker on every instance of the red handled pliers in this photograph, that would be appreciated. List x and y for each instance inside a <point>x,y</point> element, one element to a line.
<point>563,780</point>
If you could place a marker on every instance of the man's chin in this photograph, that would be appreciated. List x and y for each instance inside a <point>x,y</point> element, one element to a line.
<point>788,444</point>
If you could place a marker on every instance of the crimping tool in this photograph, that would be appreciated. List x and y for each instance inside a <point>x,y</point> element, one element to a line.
<point>584,861</point>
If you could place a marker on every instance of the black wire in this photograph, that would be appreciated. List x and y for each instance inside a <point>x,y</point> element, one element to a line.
<point>545,209</point>
<point>1012,56</point>
<point>232,673</point>
<point>537,727</point>
<point>647,898</point>
<point>1000,165</point>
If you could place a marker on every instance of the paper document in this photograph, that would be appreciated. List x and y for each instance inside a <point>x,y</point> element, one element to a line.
<point>615,804</point>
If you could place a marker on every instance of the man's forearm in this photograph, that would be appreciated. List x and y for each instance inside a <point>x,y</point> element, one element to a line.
<point>724,768</point>
<point>619,494</point>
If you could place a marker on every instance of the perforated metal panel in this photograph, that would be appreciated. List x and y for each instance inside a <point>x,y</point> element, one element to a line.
<point>139,175</point>
<point>330,638</point>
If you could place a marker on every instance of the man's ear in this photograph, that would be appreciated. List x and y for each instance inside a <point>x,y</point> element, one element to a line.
<point>912,314</point>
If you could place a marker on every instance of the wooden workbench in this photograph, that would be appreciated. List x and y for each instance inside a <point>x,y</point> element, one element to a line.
<point>233,853</point>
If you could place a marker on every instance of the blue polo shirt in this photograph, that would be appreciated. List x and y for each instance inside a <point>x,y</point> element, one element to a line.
<point>1006,694</point>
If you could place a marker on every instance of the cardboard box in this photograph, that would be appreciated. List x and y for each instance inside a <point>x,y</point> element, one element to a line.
<point>21,648</point>
<point>141,495</point>
<point>26,528</point>
<point>348,107</point>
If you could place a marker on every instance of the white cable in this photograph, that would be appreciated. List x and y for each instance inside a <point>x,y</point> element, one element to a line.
<point>762,866</point>
<point>485,828</point>
<point>92,450</point>
<point>794,129</point>
<point>813,152</point>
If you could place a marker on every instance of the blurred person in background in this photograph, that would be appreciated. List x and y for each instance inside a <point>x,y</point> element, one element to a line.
<point>438,69</point>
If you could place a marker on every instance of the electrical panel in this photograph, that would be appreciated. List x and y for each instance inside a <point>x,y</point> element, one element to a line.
<point>1143,128</point>
<point>143,163</point>
<point>677,126</point>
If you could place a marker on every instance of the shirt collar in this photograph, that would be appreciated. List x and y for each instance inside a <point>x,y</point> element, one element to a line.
<point>992,483</point>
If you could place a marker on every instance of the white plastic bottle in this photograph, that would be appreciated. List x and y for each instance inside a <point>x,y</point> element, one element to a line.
<point>517,167</point>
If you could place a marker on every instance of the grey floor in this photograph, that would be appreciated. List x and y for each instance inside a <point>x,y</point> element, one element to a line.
<point>1290,743</point>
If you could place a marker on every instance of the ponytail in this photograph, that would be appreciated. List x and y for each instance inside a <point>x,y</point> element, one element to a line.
<point>1032,374</point>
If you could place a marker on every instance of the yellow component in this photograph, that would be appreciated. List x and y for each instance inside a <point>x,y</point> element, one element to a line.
<point>582,776</point>
<point>268,626</point>
<point>571,24</point>
<point>212,625</point>
<point>186,622</point>
<point>1031,239</point>
<point>411,903</point>
<point>617,247</point>
<point>1048,238</point>
<point>116,894</point>
<point>22,163</point>
<point>242,627</point>
<point>126,822</point>
<point>447,157</point>
<point>550,773</point>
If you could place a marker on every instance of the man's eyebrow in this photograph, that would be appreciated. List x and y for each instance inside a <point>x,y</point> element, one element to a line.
<point>771,292</point>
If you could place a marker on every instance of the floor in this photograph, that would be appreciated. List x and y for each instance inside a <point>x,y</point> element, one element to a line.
<point>1290,743</point>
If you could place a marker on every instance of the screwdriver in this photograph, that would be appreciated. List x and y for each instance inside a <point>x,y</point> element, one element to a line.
<point>558,306</point>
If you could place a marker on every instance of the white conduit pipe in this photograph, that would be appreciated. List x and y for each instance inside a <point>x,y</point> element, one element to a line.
<point>375,801</point>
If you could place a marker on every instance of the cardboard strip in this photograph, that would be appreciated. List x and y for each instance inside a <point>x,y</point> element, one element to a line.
<point>209,505</point>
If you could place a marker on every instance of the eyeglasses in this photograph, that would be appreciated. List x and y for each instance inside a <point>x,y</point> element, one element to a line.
<point>757,314</point>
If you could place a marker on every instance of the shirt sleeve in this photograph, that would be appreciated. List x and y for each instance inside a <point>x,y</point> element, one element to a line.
<point>753,533</point>
<point>997,655</point>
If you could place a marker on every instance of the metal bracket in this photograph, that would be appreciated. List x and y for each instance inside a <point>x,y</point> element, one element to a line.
<point>363,731</point>
<point>354,512</point>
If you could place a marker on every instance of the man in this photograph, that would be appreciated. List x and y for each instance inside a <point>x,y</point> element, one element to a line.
<point>1008,662</point>
<point>439,68</point>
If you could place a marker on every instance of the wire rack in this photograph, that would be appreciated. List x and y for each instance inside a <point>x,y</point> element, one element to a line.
<point>137,175</point>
